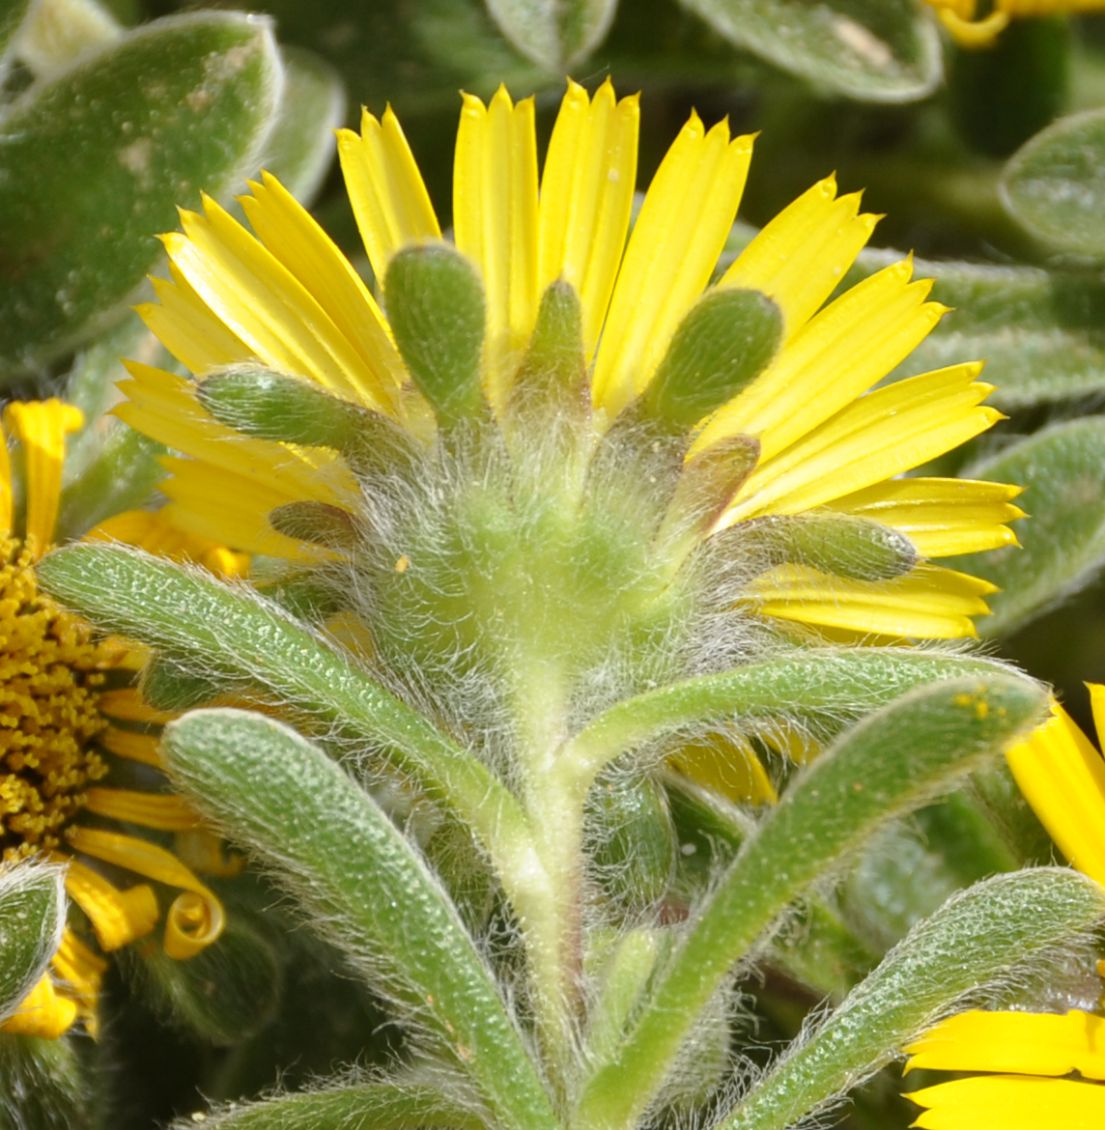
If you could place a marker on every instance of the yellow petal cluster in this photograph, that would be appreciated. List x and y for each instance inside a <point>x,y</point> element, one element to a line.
<point>285,298</point>
<point>977,23</point>
<point>68,710</point>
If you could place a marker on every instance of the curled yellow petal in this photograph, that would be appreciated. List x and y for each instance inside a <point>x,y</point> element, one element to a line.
<point>195,920</point>
<point>117,917</point>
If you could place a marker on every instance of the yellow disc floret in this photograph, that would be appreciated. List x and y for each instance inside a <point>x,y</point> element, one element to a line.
<point>50,672</point>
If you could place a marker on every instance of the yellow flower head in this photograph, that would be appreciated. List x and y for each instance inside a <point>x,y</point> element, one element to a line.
<point>1044,1071</point>
<point>977,23</point>
<point>78,760</point>
<point>798,434</point>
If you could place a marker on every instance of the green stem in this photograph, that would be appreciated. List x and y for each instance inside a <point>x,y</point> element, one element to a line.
<point>554,811</point>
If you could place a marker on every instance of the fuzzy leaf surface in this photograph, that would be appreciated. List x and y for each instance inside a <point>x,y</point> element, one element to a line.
<point>554,33</point>
<point>1063,543</point>
<point>1055,184</point>
<point>116,144</point>
<point>807,685</point>
<point>982,935</point>
<point>32,909</point>
<point>226,634</point>
<point>357,877</point>
<point>886,766</point>
<point>383,1106</point>
<point>870,50</point>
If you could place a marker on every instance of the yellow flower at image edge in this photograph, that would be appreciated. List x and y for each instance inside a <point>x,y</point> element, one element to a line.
<point>1046,1071</point>
<point>976,23</point>
<point>72,726</point>
<point>286,299</point>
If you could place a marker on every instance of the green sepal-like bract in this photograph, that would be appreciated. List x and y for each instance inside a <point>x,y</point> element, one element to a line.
<point>268,405</point>
<point>834,543</point>
<point>436,310</point>
<point>723,343</point>
<point>32,914</point>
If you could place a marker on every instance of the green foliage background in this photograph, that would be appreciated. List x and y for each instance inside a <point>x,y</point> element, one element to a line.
<point>990,165</point>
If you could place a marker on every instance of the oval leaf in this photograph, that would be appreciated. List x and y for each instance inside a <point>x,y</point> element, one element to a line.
<point>553,33</point>
<point>301,146</point>
<point>1055,184</point>
<point>1063,543</point>
<point>116,144</point>
<point>871,50</point>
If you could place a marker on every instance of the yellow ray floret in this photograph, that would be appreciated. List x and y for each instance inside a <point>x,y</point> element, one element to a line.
<point>242,516</point>
<point>43,1012</point>
<point>821,430</point>
<point>930,602</point>
<point>1062,777</point>
<point>310,256</point>
<point>941,517</point>
<point>841,353</point>
<point>1024,1043</point>
<point>1011,1102</point>
<point>799,257</point>
<point>389,199</point>
<point>874,438</point>
<point>687,213</point>
<point>275,314</point>
<point>728,765</point>
<point>167,812</point>
<point>152,531</point>
<point>974,24</point>
<point>495,224</point>
<point>41,428</point>
<point>265,474</point>
<point>188,329</point>
<point>586,198</point>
